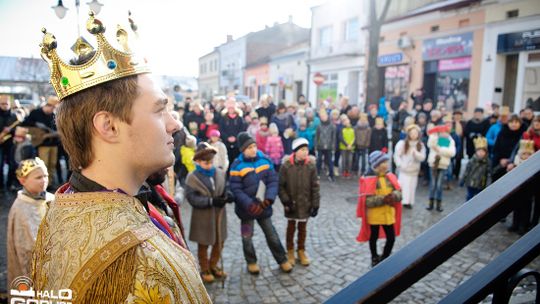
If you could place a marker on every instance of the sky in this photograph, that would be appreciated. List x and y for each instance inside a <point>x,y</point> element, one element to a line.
<point>172,33</point>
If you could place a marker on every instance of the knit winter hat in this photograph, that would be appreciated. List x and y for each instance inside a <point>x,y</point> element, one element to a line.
<point>376,158</point>
<point>298,143</point>
<point>204,152</point>
<point>214,133</point>
<point>244,140</point>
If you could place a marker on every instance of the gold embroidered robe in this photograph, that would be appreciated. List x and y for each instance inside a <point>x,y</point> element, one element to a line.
<point>104,247</point>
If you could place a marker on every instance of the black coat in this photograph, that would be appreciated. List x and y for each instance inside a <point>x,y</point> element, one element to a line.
<point>473,129</point>
<point>379,140</point>
<point>506,142</point>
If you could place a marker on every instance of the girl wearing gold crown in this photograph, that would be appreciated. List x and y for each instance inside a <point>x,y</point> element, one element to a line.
<point>25,216</point>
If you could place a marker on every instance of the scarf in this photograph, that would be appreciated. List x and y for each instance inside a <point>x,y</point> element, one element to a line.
<point>209,173</point>
<point>40,196</point>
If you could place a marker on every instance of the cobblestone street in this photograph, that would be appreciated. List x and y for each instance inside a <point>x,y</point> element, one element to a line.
<point>336,258</point>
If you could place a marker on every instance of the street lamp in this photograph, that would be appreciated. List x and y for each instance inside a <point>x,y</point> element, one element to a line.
<point>60,10</point>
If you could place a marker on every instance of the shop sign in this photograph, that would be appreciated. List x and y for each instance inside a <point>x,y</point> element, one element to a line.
<point>390,59</point>
<point>455,64</point>
<point>447,47</point>
<point>318,79</point>
<point>520,41</point>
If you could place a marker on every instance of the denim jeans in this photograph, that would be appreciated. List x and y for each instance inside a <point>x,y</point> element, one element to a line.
<point>327,154</point>
<point>435,184</point>
<point>360,159</point>
<point>272,239</point>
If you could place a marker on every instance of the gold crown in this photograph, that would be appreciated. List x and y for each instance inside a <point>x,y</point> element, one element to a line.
<point>28,165</point>
<point>106,64</point>
<point>526,146</point>
<point>480,143</point>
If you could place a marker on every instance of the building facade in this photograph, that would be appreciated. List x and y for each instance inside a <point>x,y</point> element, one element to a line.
<point>437,47</point>
<point>232,60</point>
<point>511,55</point>
<point>337,51</point>
<point>209,75</point>
<point>289,73</point>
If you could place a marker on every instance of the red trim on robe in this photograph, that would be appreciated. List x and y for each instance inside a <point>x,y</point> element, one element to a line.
<point>367,186</point>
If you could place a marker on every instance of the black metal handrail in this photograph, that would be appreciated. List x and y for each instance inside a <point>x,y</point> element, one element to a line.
<point>444,239</point>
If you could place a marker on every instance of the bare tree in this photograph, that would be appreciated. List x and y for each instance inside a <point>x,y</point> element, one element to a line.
<point>375,24</point>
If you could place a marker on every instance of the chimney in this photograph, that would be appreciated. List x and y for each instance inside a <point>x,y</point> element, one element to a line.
<point>229,38</point>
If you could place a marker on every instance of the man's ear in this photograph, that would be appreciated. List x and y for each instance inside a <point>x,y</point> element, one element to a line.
<point>106,126</point>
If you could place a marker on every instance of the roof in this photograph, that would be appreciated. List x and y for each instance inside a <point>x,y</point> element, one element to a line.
<point>20,69</point>
<point>435,6</point>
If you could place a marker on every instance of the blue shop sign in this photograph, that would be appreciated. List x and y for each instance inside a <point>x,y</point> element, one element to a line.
<point>390,59</point>
<point>520,41</point>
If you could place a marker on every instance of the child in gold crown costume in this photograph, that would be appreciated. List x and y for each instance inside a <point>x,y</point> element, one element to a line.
<point>97,238</point>
<point>25,216</point>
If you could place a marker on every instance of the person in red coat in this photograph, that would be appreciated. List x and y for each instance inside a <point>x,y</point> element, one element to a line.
<point>379,206</point>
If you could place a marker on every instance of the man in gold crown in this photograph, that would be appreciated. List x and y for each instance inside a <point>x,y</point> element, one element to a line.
<point>97,238</point>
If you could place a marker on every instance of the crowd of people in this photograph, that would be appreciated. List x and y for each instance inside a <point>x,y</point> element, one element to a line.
<point>252,153</point>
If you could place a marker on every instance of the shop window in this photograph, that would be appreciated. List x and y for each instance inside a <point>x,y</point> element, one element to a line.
<point>329,88</point>
<point>512,14</point>
<point>534,57</point>
<point>434,28</point>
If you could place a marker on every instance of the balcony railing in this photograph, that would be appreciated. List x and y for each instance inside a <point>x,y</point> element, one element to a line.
<point>432,248</point>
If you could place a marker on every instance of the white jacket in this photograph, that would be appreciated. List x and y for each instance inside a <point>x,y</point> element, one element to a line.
<point>445,153</point>
<point>409,162</point>
<point>221,160</point>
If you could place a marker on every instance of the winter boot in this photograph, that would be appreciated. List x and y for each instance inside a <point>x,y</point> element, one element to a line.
<point>336,171</point>
<point>290,257</point>
<point>439,206</point>
<point>304,260</point>
<point>375,260</point>
<point>286,267</point>
<point>207,277</point>
<point>430,205</point>
<point>218,272</point>
<point>253,268</point>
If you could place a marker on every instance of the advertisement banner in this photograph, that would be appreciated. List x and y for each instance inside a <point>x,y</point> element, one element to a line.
<point>455,64</point>
<point>447,47</point>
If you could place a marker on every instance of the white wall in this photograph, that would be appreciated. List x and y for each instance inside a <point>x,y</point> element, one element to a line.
<point>233,54</point>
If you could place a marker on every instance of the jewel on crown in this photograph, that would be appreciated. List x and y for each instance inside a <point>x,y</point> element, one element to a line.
<point>103,64</point>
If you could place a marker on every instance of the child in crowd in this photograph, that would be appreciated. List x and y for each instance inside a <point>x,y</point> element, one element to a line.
<point>325,138</point>
<point>379,206</point>
<point>22,146</point>
<point>305,132</point>
<point>188,151</point>
<point>221,160</point>
<point>346,145</point>
<point>408,155</point>
<point>25,216</point>
<point>379,137</point>
<point>208,126</point>
<point>441,150</point>
<point>521,221</point>
<point>477,171</point>
<point>274,146</point>
<point>262,135</point>
<point>255,185</point>
<point>362,138</point>
<point>205,191</point>
<point>254,126</point>
<point>299,193</point>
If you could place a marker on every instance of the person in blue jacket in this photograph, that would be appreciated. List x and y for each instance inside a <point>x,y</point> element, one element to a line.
<point>254,183</point>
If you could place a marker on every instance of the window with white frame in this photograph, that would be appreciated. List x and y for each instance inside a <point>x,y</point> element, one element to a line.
<point>352,30</point>
<point>325,36</point>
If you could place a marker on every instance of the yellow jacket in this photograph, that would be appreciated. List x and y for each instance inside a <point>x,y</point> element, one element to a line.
<point>187,157</point>
<point>385,214</point>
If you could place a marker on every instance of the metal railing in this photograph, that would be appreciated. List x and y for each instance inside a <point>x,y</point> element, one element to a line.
<point>444,239</point>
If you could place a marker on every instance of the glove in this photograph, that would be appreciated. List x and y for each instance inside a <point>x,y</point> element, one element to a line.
<point>313,212</point>
<point>266,203</point>
<point>255,209</point>
<point>229,197</point>
<point>218,202</point>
